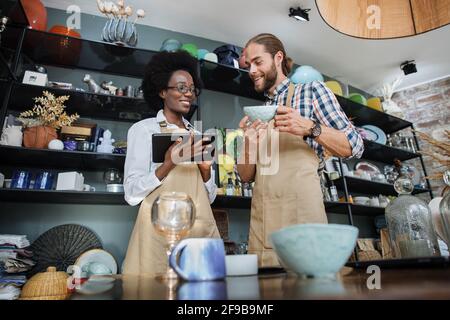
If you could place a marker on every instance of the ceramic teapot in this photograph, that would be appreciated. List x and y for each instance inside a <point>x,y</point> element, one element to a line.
<point>12,136</point>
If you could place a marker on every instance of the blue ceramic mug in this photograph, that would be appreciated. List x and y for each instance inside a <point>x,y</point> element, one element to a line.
<point>198,259</point>
<point>203,290</point>
<point>44,181</point>
<point>21,179</point>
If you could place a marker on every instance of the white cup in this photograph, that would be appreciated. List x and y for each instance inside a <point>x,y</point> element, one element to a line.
<point>241,264</point>
<point>2,179</point>
<point>87,187</point>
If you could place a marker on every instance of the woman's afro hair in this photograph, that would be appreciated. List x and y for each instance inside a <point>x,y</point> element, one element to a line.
<point>159,71</point>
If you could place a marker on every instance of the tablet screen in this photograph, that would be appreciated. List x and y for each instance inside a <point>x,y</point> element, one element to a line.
<point>161,142</point>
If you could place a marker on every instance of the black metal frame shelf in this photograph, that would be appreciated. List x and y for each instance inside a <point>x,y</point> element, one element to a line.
<point>56,159</point>
<point>87,104</point>
<point>223,78</point>
<point>363,115</point>
<point>117,198</point>
<point>383,153</point>
<point>239,202</point>
<point>358,185</point>
<point>14,10</point>
<point>62,197</point>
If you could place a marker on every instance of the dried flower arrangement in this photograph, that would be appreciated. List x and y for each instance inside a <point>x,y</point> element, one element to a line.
<point>48,111</point>
<point>440,152</point>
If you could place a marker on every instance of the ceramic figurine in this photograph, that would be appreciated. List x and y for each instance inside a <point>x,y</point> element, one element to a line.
<point>12,136</point>
<point>108,86</point>
<point>106,143</point>
<point>93,86</point>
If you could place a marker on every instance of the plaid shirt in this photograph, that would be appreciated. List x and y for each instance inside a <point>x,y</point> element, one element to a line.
<point>317,102</point>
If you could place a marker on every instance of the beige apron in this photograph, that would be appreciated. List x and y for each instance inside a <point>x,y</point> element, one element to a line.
<point>146,254</point>
<point>290,196</point>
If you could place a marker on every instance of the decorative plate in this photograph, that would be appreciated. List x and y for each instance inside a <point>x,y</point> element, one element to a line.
<point>375,134</point>
<point>368,167</point>
<point>97,256</point>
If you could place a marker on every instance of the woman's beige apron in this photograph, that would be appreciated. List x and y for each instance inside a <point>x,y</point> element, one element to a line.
<point>292,195</point>
<point>146,254</point>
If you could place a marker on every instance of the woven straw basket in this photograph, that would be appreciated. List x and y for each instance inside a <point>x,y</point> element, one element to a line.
<point>50,285</point>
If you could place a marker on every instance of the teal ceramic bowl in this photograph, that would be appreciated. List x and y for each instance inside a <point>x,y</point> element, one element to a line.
<point>263,113</point>
<point>317,250</point>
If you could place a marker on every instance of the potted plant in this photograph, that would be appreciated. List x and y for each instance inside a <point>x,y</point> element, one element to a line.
<point>44,119</point>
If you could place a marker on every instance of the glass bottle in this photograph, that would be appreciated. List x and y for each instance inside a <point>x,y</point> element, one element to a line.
<point>444,207</point>
<point>245,187</point>
<point>237,188</point>
<point>333,192</point>
<point>230,187</point>
<point>409,222</point>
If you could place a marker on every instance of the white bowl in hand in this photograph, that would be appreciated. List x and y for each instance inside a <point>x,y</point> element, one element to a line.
<point>263,113</point>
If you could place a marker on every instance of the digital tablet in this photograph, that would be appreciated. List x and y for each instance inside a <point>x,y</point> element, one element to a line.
<point>161,142</point>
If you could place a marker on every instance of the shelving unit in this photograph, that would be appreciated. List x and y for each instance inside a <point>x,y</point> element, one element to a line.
<point>24,47</point>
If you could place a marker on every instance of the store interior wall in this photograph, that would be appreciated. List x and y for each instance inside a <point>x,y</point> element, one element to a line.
<point>428,107</point>
<point>114,223</point>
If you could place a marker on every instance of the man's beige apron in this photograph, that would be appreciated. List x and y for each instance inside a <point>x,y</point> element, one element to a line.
<point>146,254</point>
<point>290,196</point>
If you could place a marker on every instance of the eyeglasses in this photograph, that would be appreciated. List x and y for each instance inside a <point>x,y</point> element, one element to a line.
<point>182,88</point>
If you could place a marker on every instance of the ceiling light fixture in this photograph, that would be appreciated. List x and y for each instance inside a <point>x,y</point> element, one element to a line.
<point>408,67</point>
<point>299,14</point>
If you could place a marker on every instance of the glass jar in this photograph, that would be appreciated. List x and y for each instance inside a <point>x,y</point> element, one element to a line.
<point>112,176</point>
<point>409,222</point>
<point>444,207</point>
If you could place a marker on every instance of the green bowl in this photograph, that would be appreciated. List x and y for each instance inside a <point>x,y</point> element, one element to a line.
<point>358,98</point>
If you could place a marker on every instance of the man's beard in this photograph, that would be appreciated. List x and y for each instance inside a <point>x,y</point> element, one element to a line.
<point>269,79</point>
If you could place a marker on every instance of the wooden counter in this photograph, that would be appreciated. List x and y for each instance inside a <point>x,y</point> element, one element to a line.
<point>395,284</point>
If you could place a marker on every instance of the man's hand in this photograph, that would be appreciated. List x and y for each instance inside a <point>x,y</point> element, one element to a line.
<point>253,131</point>
<point>289,120</point>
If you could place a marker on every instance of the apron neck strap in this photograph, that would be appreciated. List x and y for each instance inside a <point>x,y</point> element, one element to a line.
<point>290,94</point>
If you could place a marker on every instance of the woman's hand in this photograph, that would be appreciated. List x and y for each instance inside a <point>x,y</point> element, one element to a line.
<point>289,120</point>
<point>169,162</point>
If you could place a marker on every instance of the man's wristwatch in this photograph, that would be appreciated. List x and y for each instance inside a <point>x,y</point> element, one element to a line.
<point>316,130</point>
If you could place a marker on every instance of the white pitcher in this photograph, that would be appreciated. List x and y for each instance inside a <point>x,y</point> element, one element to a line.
<point>12,136</point>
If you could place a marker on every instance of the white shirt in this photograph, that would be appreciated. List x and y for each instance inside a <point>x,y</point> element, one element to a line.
<point>140,179</point>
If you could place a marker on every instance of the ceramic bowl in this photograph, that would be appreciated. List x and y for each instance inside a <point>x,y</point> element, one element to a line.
<point>364,201</point>
<point>335,87</point>
<point>171,45</point>
<point>263,113</point>
<point>358,98</point>
<point>318,250</point>
<point>201,53</point>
